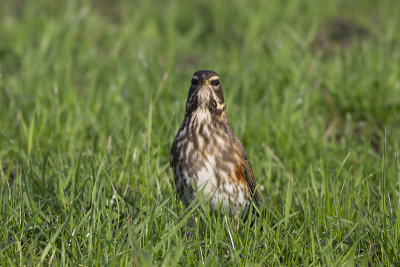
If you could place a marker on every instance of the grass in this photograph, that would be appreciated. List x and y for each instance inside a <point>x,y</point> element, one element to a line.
<point>93,93</point>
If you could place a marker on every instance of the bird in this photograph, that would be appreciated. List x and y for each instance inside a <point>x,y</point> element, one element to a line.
<point>206,156</point>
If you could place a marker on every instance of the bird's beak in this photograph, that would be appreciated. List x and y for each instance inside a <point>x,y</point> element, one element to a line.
<point>205,82</point>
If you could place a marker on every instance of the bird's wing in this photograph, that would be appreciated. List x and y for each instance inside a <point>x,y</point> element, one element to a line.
<point>247,171</point>
<point>249,177</point>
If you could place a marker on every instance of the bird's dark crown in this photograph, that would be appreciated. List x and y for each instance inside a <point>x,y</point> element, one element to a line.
<point>205,74</point>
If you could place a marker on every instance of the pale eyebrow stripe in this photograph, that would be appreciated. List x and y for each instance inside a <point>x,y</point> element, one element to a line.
<point>215,77</point>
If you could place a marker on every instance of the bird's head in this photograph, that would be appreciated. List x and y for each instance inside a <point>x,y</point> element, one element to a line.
<point>206,93</point>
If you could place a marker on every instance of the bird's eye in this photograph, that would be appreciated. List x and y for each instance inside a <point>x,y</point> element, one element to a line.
<point>215,82</point>
<point>195,81</point>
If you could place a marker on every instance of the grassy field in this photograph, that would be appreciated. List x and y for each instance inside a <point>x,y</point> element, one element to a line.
<point>93,93</point>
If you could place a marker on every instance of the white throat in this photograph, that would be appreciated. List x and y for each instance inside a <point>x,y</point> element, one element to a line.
<point>202,115</point>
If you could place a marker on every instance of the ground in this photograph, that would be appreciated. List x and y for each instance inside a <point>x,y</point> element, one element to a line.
<point>92,94</point>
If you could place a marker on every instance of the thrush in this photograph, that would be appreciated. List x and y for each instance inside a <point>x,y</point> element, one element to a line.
<point>206,156</point>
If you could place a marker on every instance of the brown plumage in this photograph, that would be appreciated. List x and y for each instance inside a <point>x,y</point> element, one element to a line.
<point>206,154</point>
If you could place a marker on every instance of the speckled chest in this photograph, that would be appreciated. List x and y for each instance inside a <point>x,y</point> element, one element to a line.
<point>204,156</point>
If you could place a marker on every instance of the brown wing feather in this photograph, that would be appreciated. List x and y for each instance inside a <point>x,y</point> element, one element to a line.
<point>249,177</point>
<point>247,171</point>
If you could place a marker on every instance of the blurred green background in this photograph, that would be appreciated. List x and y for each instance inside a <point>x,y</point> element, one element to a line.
<point>92,94</point>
